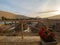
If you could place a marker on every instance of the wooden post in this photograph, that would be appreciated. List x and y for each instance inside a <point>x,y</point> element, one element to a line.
<point>47,24</point>
<point>15,22</point>
<point>22,30</point>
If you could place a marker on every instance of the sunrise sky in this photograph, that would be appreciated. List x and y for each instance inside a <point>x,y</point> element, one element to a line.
<point>31,8</point>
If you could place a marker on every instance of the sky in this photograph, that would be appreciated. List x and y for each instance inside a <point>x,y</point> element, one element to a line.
<point>31,7</point>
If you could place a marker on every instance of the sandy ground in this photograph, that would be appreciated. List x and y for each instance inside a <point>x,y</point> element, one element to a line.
<point>19,39</point>
<point>26,38</point>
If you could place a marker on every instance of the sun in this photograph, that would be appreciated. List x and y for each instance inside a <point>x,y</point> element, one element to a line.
<point>57,12</point>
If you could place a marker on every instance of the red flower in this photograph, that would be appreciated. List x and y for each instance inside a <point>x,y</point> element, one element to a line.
<point>42,33</point>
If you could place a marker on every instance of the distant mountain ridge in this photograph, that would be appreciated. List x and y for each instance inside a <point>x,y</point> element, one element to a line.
<point>11,15</point>
<point>54,17</point>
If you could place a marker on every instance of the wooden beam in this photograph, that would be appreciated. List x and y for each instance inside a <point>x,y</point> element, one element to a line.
<point>22,30</point>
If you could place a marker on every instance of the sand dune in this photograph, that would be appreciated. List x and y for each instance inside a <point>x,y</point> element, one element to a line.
<point>54,17</point>
<point>11,15</point>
